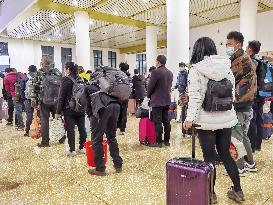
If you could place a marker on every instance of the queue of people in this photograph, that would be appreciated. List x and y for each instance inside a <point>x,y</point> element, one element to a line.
<point>217,112</point>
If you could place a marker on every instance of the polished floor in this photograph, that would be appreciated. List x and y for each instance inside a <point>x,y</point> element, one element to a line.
<point>32,176</point>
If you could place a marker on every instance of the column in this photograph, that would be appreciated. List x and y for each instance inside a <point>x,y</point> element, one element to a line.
<point>83,54</point>
<point>248,20</point>
<point>151,45</point>
<point>177,34</point>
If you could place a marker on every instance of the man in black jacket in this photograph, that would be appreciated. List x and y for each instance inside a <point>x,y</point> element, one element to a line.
<point>159,91</point>
<point>103,111</point>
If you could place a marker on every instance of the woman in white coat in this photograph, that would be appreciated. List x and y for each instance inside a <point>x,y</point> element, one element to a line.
<point>216,126</point>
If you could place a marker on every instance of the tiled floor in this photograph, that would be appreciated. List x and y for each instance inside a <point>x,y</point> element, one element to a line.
<point>47,176</point>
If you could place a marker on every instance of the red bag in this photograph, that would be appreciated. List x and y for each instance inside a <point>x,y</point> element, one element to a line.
<point>132,106</point>
<point>90,154</point>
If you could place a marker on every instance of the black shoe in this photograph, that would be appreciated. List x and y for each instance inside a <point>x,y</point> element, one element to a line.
<point>167,144</point>
<point>42,145</point>
<point>9,124</point>
<point>156,145</point>
<point>62,140</point>
<point>26,134</point>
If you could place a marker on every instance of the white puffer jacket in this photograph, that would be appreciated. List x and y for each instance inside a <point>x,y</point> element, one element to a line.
<point>215,68</point>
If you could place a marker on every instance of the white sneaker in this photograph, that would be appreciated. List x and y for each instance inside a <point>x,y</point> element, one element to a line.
<point>242,172</point>
<point>251,167</point>
<point>71,154</point>
<point>81,151</point>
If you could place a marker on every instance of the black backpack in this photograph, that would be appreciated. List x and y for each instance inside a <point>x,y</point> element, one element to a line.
<point>17,88</point>
<point>78,102</point>
<point>50,87</point>
<point>218,96</point>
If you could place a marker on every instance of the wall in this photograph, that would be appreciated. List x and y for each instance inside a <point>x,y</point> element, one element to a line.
<point>25,52</point>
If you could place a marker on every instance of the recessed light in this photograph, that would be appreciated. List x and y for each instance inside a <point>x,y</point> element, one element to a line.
<point>48,39</point>
<point>115,13</point>
<point>91,22</point>
<point>53,15</point>
<point>60,35</point>
<point>28,31</point>
<point>75,3</point>
<point>39,25</point>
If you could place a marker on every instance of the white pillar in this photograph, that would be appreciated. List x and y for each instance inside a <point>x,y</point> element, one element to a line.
<point>82,39</point>
<point>178,34</point>
<point>151,45</point>
<point>248,20</point>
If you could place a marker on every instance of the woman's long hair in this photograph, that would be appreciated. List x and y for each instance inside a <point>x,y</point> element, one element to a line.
<point>204,46</point>
<point>73,68</point>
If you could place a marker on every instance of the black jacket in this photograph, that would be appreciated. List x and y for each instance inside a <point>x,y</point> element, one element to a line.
<point>159,87</point>
<point>65,95</point>
<point>97,101</point>
<point>139,90</point>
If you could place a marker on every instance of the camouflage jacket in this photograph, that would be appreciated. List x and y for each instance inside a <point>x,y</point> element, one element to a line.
<point>38,83</point>
<point>244,71</point>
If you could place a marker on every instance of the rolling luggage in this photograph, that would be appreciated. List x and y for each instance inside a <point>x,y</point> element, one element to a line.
<point>147,134</point>
<point>268,122</point>
<point>189,181</point>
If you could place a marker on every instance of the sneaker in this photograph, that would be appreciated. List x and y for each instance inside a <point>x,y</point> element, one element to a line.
<point>71,154</point>
<point>20,129</point>
<point>214,199</point>
<point>121,133</point>
<point>26,134</point>
<point>159,145</point>
<point>9,124</point>
<point>242,172</point>
<point>250,167</point>
<point>96,173</point>
<point>41,145</point>
<point>118,169</point>
<point>0,121</point>
<point>167,144</point>
<point>62,140</point>
<point>236,196</point>
<point>81,151</point>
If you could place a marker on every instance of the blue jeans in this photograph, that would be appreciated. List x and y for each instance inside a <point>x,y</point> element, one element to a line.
<point>18,110</point>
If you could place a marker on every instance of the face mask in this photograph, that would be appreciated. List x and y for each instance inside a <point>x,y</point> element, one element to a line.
<point>230,50</point>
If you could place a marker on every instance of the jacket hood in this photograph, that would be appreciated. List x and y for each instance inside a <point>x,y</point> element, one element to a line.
<point>139,77</point>
<point>214,67</point>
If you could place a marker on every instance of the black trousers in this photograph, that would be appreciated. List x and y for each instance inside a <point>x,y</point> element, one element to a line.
<point>10,111</point>
<point>29,112</point>
<point>72,119</point>
<point>105,123</point>
<point>45,111</point>
<point>221,138</point>
<point>159,117</point>
<point>255,131</point>
<point>122,119</point>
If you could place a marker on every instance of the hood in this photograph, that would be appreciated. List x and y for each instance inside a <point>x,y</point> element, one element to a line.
<point>214,67</point>
<point>139,77</point>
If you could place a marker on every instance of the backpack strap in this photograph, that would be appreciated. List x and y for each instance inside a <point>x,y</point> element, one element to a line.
<point>73,79</point>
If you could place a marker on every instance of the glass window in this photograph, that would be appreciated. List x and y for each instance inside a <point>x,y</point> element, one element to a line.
<point>4,56</point>
<point>97,58</point>
<point>141,63</point>
<point>66,54</point>
<point>48,51</point>
<point>4,49</point>
<point>112,59</point>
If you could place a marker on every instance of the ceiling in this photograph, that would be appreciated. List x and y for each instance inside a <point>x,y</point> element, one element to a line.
<point>115,23</point>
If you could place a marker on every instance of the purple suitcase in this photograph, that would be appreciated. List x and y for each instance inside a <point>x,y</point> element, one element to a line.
<point>189,181</point>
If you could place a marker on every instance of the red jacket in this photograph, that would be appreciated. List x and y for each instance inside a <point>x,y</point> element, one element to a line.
<point>9,82</point>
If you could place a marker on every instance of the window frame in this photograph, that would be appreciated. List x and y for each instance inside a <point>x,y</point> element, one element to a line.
<point>97,56</point>
<point>112,59</point>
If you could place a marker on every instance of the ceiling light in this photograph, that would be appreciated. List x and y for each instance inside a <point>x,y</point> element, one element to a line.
<point>60,35</point>
<point>28,31</point>
<point>115,13</point>
<point>39,25</point>
<point>48,39</point>
<point>75,3</point>
<point>53,15</point>
<point>91,22</point>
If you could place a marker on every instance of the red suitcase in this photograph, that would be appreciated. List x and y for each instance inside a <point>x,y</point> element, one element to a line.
<point>147,134</point>
<point>189,181</point>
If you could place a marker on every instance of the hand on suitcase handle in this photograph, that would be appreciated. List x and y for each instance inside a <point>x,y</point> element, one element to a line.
<point>188,125</point>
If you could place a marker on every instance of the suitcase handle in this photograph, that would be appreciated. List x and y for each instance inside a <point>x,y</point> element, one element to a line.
<point>193,140</point>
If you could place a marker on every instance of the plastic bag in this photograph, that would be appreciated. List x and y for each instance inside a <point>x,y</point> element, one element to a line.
<point>56,130</point>
<point>4,111</point>
<point>35,127</point>
<point>237,149</point>
<point>266,107</point>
